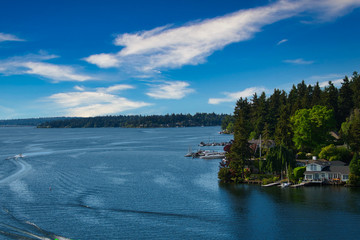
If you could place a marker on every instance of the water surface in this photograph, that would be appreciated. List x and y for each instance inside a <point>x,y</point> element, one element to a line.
<point>113,183</point>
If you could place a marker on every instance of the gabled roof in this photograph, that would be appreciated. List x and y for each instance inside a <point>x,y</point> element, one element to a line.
<point>340,169</point>
<point>337,163</point>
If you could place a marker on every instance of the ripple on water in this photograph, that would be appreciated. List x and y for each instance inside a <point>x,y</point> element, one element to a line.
<point>22,190</point>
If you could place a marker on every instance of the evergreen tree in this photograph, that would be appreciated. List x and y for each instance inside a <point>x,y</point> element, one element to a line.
<point>283,132</point>
<point>292,100</point>
<point>240,149</point>
<point>261,112</point>
<point>355,86</point>
<point>345,100</point>
<point>316,95</point>
<point>350,131</point>
<point>330,99</point>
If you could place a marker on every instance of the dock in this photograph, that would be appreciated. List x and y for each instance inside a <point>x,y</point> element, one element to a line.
<point>299,185</point>
<point>272,184</point>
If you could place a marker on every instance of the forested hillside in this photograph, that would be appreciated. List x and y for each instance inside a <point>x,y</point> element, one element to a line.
<point>173,120</point>
<point>299,122</point>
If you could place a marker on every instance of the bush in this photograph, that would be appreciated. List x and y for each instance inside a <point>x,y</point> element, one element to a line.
<point>267,181</point>
<point>333,153</point>
<point>224,175</point>
<point>302,155</point>
<point>299,173</point>
<point>275,179</point>
<point>354,180</point>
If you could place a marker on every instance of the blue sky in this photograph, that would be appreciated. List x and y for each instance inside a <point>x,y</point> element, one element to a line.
<point>90,58</point>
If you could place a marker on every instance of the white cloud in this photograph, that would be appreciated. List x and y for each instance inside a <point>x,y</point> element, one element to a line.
<point>55,72</point>
<point>282,41</point>
<point>94,103</point>
<point>337,83</point>
<point>298,61</point>
<point>170,90</point>
<point>103,60</point>
<point>79,88</point>
<point>34,65</point>
<point>323,80</point>
<point>232,97</point>
<point>9,37</point>
<point>116,88</point>
<point>173,47</point>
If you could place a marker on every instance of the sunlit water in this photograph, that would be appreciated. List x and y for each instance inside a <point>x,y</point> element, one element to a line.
<point>113,183</point>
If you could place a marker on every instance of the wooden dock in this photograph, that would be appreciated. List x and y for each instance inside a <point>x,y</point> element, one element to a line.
<point>272,184</point>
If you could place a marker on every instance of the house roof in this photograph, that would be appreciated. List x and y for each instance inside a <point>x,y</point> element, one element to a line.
<point>323,162</point>
<point>340,169</point>
<point>312,172</point>
<point>337,163</point>
<point>332,169</point>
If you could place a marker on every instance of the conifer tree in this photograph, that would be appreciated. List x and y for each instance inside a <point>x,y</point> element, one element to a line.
<point>345,100</point>
<point>240,149</point>
<point>316,95</point>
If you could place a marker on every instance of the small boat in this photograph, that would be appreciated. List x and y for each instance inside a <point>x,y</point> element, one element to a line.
<point>213,155</point>
<point>190,153</point>
<point>286,184</point>
<point>17,156</point>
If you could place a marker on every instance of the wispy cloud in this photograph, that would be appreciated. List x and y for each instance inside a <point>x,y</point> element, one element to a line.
<point>282,41</point>
<point>234,96</point>
<point>336,82</point>
<point>9,37</point>
<point>172,47</point>
<point>115,88</point>
<point>298,61</point>
<point>79,88</point>
<point>170,90</point>
<point>94,103</point>
<point>34,65</point>
<point>323,80</point>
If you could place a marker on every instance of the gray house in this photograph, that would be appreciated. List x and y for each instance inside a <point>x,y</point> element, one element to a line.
<point>322,170</point>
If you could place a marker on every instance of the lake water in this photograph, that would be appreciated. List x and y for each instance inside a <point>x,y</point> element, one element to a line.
<point>113,183</point>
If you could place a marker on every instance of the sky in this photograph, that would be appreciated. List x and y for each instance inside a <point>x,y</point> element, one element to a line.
<point>95,58</point>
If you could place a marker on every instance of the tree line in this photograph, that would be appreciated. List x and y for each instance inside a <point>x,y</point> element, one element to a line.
<point>298,122</point>
<point>139,121</point>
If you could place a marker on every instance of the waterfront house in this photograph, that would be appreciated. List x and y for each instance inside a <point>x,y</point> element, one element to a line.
<point>322,170</point>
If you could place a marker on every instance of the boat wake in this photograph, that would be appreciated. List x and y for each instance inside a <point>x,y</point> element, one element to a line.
<point>26,230</point>
<point>23,168</point>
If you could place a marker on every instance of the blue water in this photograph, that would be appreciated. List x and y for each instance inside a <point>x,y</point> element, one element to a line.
<point>113,183</point>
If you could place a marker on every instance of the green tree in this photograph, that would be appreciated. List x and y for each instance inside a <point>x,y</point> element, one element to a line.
<point>350,131</point>
<point>333,153</point>
<point>240,149</point>
<point>354,178</point>
<point>316,95</point>
<point>311,127</point>
<point>299,172</point>
<point>283,133</point>
<point>278,158</point>
<point>346,103</point>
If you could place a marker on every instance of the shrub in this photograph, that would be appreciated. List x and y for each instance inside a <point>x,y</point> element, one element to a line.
<point>333,153</point>
<point>299,172</point>
<point>224,175</point>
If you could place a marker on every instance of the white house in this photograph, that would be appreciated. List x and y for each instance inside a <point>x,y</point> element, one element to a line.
<point>322,170</point>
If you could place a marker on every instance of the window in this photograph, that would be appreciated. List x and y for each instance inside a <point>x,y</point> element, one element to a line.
<point>345,177</point>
